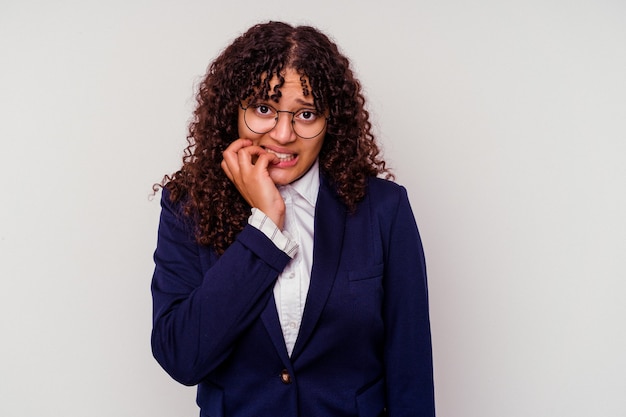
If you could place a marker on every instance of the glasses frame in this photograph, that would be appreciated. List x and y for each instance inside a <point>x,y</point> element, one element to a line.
<point>293,121</point>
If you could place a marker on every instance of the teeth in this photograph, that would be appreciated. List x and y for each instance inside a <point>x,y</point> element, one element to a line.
<point>282,156</point>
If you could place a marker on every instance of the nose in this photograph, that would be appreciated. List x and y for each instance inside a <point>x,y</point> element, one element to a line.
<point>283,131</point>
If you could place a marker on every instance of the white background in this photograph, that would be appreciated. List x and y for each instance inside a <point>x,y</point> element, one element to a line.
<point>506,120</point>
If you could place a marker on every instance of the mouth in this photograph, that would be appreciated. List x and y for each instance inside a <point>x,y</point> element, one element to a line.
<point>283,157</point>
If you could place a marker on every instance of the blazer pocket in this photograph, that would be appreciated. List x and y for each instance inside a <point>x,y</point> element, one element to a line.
<point>365,286</point>
<point>370,272</point>
<point>371,402</point>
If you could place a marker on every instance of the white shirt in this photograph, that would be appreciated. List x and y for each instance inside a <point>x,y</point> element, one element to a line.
<point>296,239</point>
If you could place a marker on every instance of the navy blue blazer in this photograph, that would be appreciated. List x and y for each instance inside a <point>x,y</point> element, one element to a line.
<point>364,346</point>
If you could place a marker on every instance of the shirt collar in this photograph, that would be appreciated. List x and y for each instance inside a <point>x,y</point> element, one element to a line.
<point>307,185</point>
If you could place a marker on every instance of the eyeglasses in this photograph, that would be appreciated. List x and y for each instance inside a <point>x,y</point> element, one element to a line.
<point>261,118</point>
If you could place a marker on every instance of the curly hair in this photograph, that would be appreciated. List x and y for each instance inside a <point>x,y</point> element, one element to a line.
<point>349,153</point>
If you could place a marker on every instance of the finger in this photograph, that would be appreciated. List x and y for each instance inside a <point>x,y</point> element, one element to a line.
<point>226,170</point>
<point>230,165</point>
<point>238,144</point>
<point>231,152</point>
<point>266,159</point>
<point>248,157</point>
<point>257,152</point>
<point>252,150</point>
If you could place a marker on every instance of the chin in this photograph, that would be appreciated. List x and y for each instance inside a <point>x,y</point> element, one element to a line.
<point>282,179</point>
<point>280,182</point>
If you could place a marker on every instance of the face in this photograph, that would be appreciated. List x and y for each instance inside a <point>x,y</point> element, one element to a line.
<point>295,153</point>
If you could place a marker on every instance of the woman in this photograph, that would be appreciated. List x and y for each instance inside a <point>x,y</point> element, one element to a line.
<point>290,278</point>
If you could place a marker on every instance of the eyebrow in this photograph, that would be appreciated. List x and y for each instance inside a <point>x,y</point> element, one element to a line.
<point>304,102</point>
<point>298,101</point>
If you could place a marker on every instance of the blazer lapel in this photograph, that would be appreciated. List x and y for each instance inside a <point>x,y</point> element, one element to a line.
<point>270,319</point>
<point>330,219</point>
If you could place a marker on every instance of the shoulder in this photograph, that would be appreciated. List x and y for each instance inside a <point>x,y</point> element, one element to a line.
<point>389,201</point>
<point>381,185</point>
<point>169,204</point>
<point>174,200</point>
<point>386,193</point>
<point>173,211</point>
<point>381,194</point>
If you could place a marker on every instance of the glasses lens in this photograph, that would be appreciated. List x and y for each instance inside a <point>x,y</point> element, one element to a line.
<point>261,118</point>
<point>308,123</point>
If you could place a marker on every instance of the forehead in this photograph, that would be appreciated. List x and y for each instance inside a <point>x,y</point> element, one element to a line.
<point>291,84</point>
<point>290,76</point>
<point>290,81</point>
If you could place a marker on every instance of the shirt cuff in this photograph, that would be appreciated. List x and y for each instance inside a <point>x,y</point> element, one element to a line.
<point>282,240</point>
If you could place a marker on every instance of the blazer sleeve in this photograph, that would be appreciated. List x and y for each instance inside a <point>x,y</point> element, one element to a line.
<point>408,351</point>
<point>202,303</point>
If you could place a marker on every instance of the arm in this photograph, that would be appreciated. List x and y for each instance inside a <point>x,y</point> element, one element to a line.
<point>408,352</point>
<point>198,314</point>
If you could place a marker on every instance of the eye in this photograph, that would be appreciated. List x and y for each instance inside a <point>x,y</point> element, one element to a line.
<point>263,110</point>
<point>305,115</point>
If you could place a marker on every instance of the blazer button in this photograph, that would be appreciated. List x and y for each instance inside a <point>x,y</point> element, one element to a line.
<point>285,377</point>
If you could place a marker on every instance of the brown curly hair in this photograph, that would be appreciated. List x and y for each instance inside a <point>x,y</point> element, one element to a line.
<point>349,154</point>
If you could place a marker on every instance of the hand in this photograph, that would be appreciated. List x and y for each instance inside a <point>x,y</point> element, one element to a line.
<point>246,166</point>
